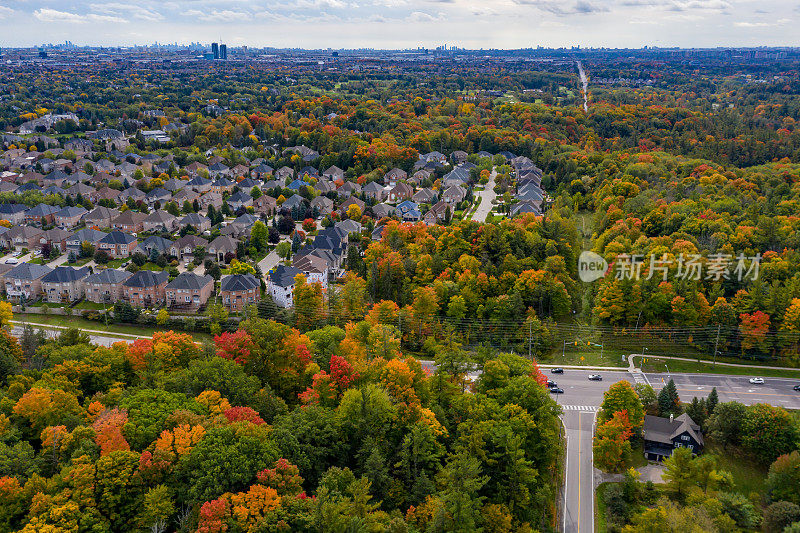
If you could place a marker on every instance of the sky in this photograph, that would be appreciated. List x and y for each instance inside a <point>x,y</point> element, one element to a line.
<point>392,24</point>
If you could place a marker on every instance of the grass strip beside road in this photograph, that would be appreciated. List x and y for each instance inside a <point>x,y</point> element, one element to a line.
<point>84,324</point>
<point>654,364</point>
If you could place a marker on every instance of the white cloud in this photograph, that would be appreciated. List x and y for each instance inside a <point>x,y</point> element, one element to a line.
<point>421,16</point>
<point>225,15</point>
<point>53,15</point>
<point>135,11</point>
<point>5,11</point>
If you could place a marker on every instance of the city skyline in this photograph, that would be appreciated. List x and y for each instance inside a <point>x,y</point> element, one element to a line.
<point>393,24</point>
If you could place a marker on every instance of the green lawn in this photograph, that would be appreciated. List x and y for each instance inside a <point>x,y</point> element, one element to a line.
<point>116,263</point>
<point>654,364</point>
<point>91,305</point>
<point>587,357</point>
<point>82,323</point>
<point>748,475</point>
<point>151,266</point>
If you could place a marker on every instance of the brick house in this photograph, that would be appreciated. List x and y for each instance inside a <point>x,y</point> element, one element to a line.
<point>105,287</point>
<point>25,280</point>
<point>145,288</point>
<point>129,221</point>
<point>101,217</point>
<point>189,291</point>
<point>240,290</point>
<point>69,217</point>
<point>117,244</point>
<point>20,237</point>
<point>64,284</point>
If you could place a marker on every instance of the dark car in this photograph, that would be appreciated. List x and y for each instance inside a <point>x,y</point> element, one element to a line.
<point>556,390</point>
<point>595,377</point>
<point>557,371</point>
<point>551,384</point>
<point>796,387</point>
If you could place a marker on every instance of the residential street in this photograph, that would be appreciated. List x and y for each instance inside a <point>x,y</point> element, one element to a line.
<point>487,195</point>
<point>579,485</point>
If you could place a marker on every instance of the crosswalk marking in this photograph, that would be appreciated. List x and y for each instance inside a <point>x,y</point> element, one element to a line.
<point>590,408</point>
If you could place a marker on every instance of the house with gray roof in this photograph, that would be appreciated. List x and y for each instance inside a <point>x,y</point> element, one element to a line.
<point>24,281</point>
<point>281,284</point>
<point>145,288</point>
<point>105,287</point>
<point>240,290</point>
<point>663,435</point>
<point>64,284</point>
<point>189,291</point>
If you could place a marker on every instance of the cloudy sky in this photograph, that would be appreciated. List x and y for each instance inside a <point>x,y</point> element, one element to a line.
<point>403,23</point>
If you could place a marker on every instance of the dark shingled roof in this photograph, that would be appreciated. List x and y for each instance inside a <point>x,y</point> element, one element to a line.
<point>65,274</point>
<point>109,275</point>
<point>189,280</point>
<point>239,282</point>
<point>663,430</point>
<point>146,278</point>
<point>283,276</point>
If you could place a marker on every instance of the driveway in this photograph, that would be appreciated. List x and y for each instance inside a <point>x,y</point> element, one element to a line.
<point>269,262</point>
<point>487,195</point>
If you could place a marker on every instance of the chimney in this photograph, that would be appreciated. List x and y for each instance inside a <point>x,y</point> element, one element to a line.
<point>671,417</point>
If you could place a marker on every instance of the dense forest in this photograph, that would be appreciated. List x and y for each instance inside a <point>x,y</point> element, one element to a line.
<point>397,401</point>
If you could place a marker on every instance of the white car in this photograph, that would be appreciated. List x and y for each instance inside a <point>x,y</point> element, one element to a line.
<point>12,261</point>
<point>757,381</point>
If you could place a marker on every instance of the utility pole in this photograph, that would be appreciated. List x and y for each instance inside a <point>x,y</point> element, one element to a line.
<point>529,339</point>
<point>716,344</point>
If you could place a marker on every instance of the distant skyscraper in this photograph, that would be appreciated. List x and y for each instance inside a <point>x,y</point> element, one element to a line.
<point>223,51</point>
<point>215,50</point>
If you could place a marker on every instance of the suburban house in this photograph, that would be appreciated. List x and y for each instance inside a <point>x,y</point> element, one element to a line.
<point>198,222</point>
<point>392,177</point>
<point>64,284</point>
<point>25,281</point>
<point>117,244</point>
<point>14,213</point>
<point>55,238</point>
<point>222,246</point>
<point>153,245</point>
<point>374,190</point>
<point>101,217</point>
<point>159,220</point>
<point>315,268</point>
<point>20,237</point>
<point>352,201</point>
<point>41,212</point>
<point>401,191</point>
<point>240,290</point>
<point>265,204</point>
<point>662,435</point>
<point>90,235</point>
<point>145,288</point>
<point>183,248</point>
<point>323,205</point>
<point>189,291</point>
<point>239,200</point>
<point>281,284</point>
<point>436,214</point>
<point>105,287</point>
<point>454,194</point>
<point>69,217</point>
<point>129,221</point>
